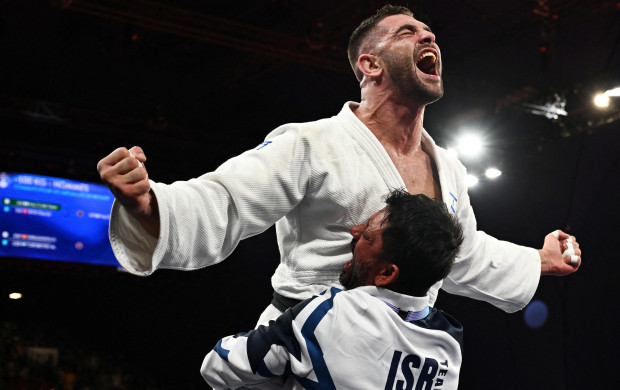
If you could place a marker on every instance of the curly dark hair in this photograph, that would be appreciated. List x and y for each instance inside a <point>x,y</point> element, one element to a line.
<point>421,238</point>
<point>366,28</point>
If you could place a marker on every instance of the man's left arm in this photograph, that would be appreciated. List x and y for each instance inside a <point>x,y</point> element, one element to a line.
<point>257,357</point>
<point>500,272</point>
<point>228,366</point>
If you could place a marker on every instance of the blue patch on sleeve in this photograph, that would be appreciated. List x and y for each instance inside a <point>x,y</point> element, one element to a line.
<point>221,351</point>
<point>264,371</point>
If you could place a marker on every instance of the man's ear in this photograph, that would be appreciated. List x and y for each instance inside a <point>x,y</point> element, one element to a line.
<point>369,65</point>
<point>387,275</point>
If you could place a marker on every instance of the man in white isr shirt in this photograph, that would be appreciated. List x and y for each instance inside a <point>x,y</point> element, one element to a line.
<point>314,180</point>
<point>378,334</point>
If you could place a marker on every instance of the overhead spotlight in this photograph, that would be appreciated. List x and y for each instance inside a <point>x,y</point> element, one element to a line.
<point>613,92</point>
<point>601,100</point>
<point>471,180</point>
<point>552,109</point>
<point>15,295</point>
<point>493,173</point>
<point>470,145</point>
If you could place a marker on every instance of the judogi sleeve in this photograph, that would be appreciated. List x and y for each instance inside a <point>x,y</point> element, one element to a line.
<point>499,272</point>
<point>260,357</point>
<point>202,220</point>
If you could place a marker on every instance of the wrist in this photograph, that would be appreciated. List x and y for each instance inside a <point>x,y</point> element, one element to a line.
<point>544,269</point>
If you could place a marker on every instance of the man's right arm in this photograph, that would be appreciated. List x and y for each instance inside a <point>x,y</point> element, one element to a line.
<point>287,346</point>
<point>199,222</point>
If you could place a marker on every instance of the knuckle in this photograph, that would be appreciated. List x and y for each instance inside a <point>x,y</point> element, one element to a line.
<point>138,190</point>
<point>105,174</point>
<point>140,176</point>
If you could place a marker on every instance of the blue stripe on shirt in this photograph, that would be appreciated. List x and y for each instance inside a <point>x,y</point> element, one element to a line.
<point>314,349</point>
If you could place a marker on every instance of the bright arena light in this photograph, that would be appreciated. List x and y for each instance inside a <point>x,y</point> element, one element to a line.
<point>613,92</point>
<point>15,295</point>
<point>452,152</point>
<point>471,180</point>
<point>601,100</point>
<point>470,145</point>
<point>493,173</point>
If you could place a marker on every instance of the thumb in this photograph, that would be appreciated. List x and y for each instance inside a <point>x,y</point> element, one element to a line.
<point>560,235</point>
<point>138,153</point>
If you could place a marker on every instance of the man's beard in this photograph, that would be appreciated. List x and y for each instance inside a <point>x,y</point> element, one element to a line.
<point>402,72</point>
<point>355,277</point>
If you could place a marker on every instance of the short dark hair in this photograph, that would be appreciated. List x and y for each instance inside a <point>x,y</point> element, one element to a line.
<point>421,238</point>
<point>366,28</point>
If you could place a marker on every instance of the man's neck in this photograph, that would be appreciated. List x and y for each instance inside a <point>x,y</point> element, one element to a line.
<point>397,126</point>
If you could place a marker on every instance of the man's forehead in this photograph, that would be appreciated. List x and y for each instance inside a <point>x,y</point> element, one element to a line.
<point>377,219</point>
<point>394,22</point>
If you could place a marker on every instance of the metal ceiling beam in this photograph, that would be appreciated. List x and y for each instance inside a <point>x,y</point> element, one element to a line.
<point>206,28</point>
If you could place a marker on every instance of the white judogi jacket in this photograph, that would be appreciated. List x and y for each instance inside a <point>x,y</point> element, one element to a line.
<point>314,181</point>
<point>345,340</point>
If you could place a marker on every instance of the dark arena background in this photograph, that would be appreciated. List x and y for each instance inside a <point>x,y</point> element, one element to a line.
<point>197,82</point>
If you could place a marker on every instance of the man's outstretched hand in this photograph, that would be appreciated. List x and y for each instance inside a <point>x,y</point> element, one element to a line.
<point>560,254</point>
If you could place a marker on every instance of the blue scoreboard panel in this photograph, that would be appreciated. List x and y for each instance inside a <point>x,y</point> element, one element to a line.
<point>51,218</point>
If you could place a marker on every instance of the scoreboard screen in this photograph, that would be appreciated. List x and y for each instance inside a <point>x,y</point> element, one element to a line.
<point>51,218</point>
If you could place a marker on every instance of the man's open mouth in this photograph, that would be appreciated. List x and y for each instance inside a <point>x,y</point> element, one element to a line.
<point>427,63</point>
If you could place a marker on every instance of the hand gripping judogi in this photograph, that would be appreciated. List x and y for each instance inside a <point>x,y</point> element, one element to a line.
<point>365,338</point>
